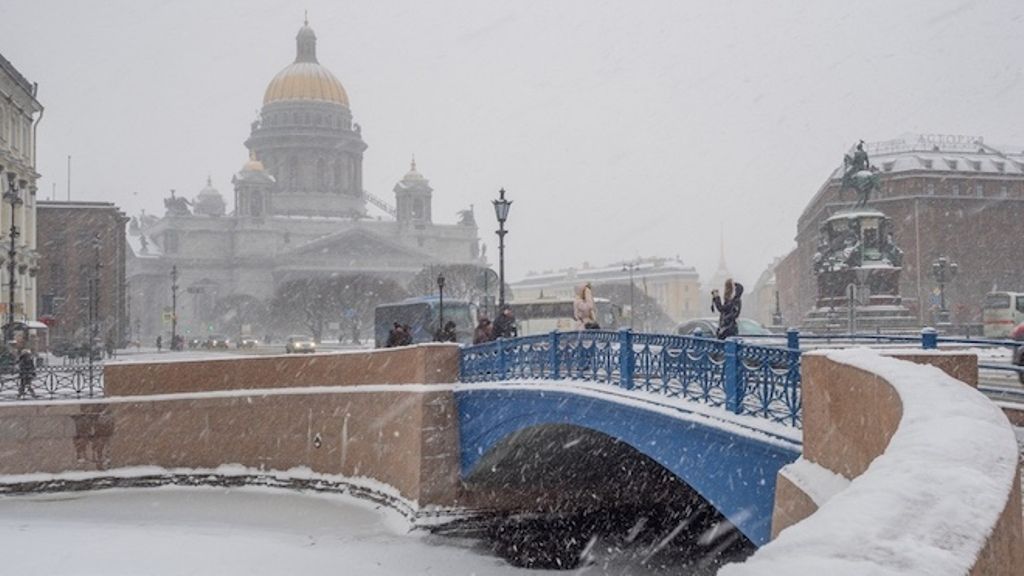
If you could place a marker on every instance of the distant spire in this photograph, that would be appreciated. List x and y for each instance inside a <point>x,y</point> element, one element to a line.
<point>209,181</point>
<point>305,43</point>
<point>412,165</point>
<point>305,17</point>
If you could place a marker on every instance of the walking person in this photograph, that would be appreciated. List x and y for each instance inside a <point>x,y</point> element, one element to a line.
<point>584,309</point>
<point>483,332</point>
<point>505,325</point>
<point>26,373</point>
<point>159,343</point>
<point>728,305</point>
<point>393,335</point>
<point>448,333</point>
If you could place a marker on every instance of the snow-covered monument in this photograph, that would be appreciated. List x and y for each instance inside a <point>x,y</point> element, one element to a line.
<point>858,264</point>
<point>299,211</point>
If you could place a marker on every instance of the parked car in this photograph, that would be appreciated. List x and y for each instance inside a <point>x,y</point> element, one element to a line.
<point>217,341</point>
<point>709,327</point>
<point>298,343</point>
<point>1018,354</point>
<point>195,342</point>
<point>247,342</point>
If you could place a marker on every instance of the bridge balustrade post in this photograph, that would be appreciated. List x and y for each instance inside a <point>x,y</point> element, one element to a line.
<point>929,338</point>
<point>553,373</point>
<point>793,339</point>
<point>626,356</point>
<point>502,359</point>
<point>733,399</point>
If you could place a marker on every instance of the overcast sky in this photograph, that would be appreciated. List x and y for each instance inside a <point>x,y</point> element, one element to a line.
<point>619,129</point>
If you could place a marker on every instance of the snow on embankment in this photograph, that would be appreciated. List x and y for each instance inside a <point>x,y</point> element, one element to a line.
<point>927,505</point>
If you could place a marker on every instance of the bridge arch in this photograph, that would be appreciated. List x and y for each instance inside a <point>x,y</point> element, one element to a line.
<point>732,467</point>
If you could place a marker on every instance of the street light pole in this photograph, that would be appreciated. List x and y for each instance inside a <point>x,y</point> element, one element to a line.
<point>943,270</point>
<point>13,198</point>
<point>501,206</point>
<point>440,305</point>
<point>174,306</point>
<point>631,267</point>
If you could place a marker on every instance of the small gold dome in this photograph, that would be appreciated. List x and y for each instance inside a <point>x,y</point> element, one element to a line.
<point>305,81</point>
<point>253,165</point>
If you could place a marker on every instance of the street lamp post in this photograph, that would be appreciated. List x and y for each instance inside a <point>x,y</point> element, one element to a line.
<point>943,270</point>
<point>13,198</point>
<point>501,206</point>
<point>174,306</point>
<point>632,267</point>
<point>440,304</point>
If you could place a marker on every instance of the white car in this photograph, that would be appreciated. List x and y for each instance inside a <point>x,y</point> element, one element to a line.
<point>300,344</point>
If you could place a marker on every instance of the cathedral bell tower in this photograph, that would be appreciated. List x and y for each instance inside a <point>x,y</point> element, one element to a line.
<point>413,198</point>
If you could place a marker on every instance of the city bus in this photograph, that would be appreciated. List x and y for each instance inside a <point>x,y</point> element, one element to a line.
<point>1002,311</point>
<point>422,315</point>
<point>546,315</point>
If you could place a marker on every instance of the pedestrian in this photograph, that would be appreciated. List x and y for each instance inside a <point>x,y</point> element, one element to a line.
<point>405,335</point>
<point>483,332</point>
<point>393,335</point>
<point>448,333</point>
<point>159,343</point>
<point>584,309</point>
<point>728,305</point>
<point>505,324</point>
<point>26,372</point>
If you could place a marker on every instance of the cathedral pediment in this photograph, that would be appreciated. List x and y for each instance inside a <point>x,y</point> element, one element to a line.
<point>354,247</point>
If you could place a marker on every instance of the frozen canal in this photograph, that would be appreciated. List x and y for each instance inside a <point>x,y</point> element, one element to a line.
<point>251,531</point>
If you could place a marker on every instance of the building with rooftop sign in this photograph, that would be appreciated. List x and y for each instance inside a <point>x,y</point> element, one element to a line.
<point>947,195</point>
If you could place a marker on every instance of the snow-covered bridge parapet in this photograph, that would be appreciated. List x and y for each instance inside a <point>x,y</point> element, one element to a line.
<point>906,470</point>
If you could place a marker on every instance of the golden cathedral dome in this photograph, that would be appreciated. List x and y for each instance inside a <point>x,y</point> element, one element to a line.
<point>305,79</point>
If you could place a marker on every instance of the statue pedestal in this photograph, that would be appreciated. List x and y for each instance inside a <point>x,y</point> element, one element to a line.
<point>858,271</point>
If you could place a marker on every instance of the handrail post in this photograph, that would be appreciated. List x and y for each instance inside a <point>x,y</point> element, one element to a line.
<point>553,374</point>
<point>793,339</point>
<point>626,358</point>
<point>502,361</point>
<point>733,401</point>
<point>929,338</point>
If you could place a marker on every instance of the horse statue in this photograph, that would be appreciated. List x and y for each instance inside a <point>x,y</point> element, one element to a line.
<point>860,175</point>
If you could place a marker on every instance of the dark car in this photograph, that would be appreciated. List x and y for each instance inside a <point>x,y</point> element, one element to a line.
<point>247,342</point>
<point>215,341</point>
<point>709,327</point>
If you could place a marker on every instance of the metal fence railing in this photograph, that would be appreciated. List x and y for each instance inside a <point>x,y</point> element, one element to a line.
<point>761,381</point>
<point>67,381</point>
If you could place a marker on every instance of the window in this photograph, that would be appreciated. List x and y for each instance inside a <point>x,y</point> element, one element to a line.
<point>321,175</point>
<point>293,171</point>
<point>1004,191</point>
<point>956,189</point>
<point>979,189</point>
<point>417,208</point>
<point>930,187</point>
<point>927,164</point>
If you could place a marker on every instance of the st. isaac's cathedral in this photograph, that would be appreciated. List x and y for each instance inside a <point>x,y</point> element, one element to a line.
<point>300,211</point>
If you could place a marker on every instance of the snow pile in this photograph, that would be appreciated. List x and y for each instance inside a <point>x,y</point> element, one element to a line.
<point>927,505</point>
<point>818,482</point>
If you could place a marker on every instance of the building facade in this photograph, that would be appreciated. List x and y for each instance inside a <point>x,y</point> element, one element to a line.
<point>299,211</point>
<point>952,196</point>
<point>672,284</point>
<point>20,114</point>
<point>82,277</point>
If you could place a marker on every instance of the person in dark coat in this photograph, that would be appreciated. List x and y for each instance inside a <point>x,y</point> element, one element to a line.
<point>159,343</point>
<point>728,309</point>
<point>404,335</point>
<point>26,372</point>
<point>483,332</point>
<point>505,325</point>
<point>447,334</point>
<point>393,335</point>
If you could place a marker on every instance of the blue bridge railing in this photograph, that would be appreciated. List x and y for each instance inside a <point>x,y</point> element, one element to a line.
<point>760,381</point>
